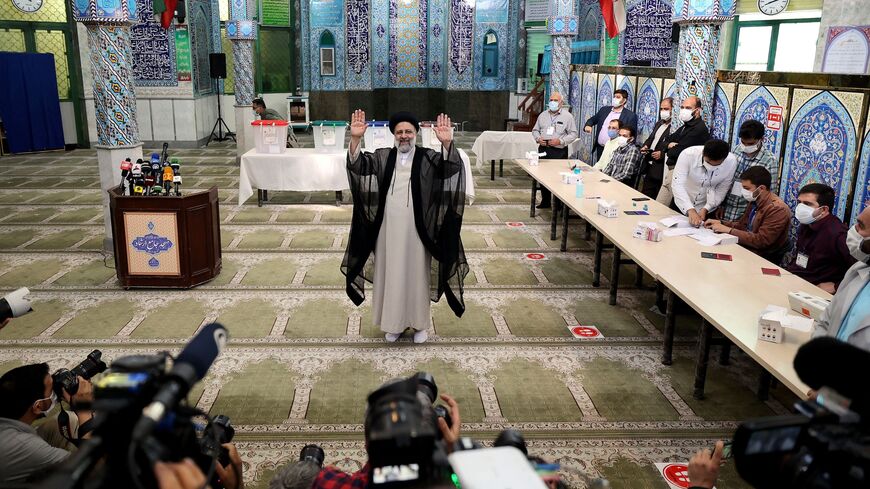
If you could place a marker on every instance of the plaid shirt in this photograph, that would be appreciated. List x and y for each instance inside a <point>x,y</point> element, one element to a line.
<point>624,163</point>
<point>735,205</point>
<point>333,478</point>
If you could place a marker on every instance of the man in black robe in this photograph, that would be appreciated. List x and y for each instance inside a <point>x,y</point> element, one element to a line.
<point>404,237</point>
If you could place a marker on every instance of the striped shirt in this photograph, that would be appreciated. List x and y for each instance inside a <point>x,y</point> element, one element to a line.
<point>735,205</point>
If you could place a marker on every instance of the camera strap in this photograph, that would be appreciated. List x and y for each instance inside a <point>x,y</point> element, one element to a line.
<point>65,427</point>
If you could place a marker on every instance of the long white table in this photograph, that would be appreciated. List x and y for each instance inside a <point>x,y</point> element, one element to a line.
<point>307,170</point>
<point>508,145</point>
<point>728,295</point>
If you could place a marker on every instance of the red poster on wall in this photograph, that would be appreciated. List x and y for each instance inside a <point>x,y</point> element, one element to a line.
<point>774,118</point>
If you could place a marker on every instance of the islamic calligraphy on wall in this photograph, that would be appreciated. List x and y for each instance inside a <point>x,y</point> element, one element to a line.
<point>153,49</point>
<point>647,35</point>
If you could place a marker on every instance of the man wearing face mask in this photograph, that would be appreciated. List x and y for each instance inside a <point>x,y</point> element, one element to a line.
<point>693,132</point>
<point>763,227</point>
<point>821,255</point>
<point>702,178</point>
<point>847,317</point>
<point>751,152</point>
<point>405,233</point>
<point>26,394</point>
<point>601,121</point>
<point>607,153</point>
<point>654,149</point>
<point>554,131</point>
<point>625,162</point>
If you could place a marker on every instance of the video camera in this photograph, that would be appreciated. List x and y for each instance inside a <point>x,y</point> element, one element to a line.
<point>15,304</point>
<point>142,418</point>
<point>826,445</point>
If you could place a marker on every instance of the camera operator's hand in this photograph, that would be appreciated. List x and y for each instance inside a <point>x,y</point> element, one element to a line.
<point>180,475</point>
<point>5,323</point>
<point>85,394</point>
<point>704,467</point>
<point>450,433</point>
<point>231,475</point>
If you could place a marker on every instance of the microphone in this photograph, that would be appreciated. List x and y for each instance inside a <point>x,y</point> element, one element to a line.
<point>15,304</point>
<point>176,176</point>
<point>164,157</point>
<point>126,166</point>
<point>829,362</point>
<point>189,367</point>
<point>168,176</point>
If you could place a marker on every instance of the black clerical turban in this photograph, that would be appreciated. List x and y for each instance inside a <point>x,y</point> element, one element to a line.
<point>398,117</point>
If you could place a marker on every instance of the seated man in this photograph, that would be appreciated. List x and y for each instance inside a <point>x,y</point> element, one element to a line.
<point>821,255</point>
<point>701,179</point>
<point>763,228</point>
<point>264,113</point>
<point>27,394</point>
<point>625,161</point>
<point>612,132</point>
<point>847,317</point>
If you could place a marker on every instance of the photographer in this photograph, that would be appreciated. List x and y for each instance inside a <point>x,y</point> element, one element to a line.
<point>27,394</point>
<point>333,478</point>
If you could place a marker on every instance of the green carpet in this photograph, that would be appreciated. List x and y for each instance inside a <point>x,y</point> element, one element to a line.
<point>303,358</point>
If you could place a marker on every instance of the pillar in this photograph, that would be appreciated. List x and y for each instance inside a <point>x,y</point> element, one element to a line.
<point>242,33</point>
<point>108,25</point>
<point>700,24</point>
<point>562,26</point>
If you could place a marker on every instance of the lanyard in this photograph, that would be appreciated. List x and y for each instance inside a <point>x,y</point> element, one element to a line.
<point>752,214</point>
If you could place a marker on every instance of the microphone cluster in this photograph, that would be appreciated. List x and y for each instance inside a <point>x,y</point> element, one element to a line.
<point>160,176</point>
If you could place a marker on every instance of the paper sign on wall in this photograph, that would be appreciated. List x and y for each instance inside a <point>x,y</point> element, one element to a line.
<point>774,118</point>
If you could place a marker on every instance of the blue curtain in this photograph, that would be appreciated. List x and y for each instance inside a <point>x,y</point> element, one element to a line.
<point>29,104</point>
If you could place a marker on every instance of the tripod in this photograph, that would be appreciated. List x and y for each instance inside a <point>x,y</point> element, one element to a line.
<point>219,126</point>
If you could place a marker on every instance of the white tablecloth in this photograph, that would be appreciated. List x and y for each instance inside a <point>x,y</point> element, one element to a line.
<point>307,170</point>
<point>509,145</point>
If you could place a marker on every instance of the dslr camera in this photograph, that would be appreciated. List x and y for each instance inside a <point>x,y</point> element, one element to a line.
<point>66,380</point>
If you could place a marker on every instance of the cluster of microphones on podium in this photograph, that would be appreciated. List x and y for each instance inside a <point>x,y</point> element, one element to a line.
<point>160,176</point>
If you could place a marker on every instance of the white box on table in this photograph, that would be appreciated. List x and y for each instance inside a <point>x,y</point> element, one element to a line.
<point>806,304</point>
<point>329,135</point>
<point>647,231</point>
<point>270,137</point>
<point>570,178</point>
<point>378,135</point>
<point>608,209</point>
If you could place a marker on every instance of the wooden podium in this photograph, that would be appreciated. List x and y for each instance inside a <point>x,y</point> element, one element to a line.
<point>166,242</point>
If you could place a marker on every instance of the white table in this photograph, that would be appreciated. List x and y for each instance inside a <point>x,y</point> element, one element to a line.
<point>307,170</point>
<point>508,145</point>
<point>728,295</point>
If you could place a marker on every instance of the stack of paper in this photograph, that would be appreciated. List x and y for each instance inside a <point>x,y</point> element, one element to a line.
<point>780,315</point>
<point>675,222</point>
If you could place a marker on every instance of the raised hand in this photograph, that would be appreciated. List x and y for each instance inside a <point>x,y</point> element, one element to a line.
<point>358,124</point>
<point>444,130</point>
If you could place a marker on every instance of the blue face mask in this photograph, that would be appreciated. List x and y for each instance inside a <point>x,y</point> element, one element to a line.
<point>612,133</point>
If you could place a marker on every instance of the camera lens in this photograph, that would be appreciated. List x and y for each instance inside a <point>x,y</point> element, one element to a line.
<point>426,385</point>
<point>312,453</point>
<point>512,438</point>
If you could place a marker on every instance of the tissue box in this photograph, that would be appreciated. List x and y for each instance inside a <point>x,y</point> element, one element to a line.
<point>806,304</point>
<point>648,231</point>
<point>570,178</point>
<point>607,209</point>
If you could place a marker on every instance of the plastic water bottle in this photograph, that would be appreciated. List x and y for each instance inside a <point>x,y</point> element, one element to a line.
<point>578,189</point>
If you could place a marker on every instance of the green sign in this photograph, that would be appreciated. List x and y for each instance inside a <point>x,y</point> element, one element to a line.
<point>611,51</point>
<point>182,53</point>
<point>275,12</point>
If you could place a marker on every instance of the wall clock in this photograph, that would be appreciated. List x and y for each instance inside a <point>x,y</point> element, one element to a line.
<point>27,6</point>
<point>772,7</point>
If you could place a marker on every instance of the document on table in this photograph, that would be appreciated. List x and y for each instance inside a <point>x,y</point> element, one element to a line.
<point>780,314</point>
<point>705,237</point>
<point>675,222</point>
<point>679,231</point>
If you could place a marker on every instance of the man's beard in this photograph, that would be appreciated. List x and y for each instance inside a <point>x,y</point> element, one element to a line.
<point>404,147</point>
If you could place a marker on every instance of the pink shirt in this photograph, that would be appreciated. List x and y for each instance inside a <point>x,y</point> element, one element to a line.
<point>603,137</point>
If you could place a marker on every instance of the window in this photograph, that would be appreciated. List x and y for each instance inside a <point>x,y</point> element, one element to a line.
<point>780,44</point>
<point>490,54</point>
<point>327,54</point>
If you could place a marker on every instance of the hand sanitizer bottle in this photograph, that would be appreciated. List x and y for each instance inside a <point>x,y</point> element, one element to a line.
<point>578,188</point>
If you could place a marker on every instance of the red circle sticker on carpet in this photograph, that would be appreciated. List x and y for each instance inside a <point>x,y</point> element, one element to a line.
<point>677,474</point>
<point>535,256</point>
<point>586,332</point>
<point>515,224</point>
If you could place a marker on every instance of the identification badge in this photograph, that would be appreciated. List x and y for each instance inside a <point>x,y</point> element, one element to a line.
<point>802,260</point>
<point>551,130</point>
<point>737,189</point>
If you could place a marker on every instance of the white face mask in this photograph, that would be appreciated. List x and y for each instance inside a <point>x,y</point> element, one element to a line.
<point>686,115</point>
<point>617,101</point>
<point>804,213</point>
<point>553,105</point>
<point>749,149</point>
<point>665,115</point>
<point>708,166</point>
<point>622,141</point>
<point>53,399</point>
<point>854,242</point>
<point>749,195</point>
